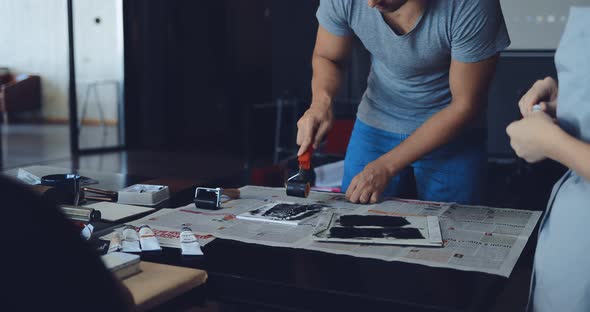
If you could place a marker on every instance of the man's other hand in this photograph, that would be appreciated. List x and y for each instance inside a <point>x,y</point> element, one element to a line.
<point>368,185</point>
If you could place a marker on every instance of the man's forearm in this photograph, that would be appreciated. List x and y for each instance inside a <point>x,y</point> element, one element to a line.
<point>569,151</point>
<point>327,77</point>
<point>440,129</point>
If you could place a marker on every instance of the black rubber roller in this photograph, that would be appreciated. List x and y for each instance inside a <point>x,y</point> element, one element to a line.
<point>298,189</point>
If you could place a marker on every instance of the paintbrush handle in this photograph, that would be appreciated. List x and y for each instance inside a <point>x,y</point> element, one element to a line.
<point>99,191</point>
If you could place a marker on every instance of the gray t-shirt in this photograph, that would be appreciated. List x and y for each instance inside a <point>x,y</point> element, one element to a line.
<point>409,78</point>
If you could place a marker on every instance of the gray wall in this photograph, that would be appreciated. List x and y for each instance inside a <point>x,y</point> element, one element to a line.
<point>537,24</point>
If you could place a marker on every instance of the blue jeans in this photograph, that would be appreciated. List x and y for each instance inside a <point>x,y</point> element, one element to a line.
<point>455,172</point>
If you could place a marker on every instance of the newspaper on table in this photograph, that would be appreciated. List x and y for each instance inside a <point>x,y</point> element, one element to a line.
<point>168,234</point>
<point>482,239</point>
<point>475,238</point>
<point>283,213</point>
<point>224,223</point>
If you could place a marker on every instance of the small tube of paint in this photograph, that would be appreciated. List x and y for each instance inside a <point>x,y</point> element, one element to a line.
<point>147,239</point>
<point>115,244</point>
<point>86,232</point>
<point>130,242</point>
<point>189,243</point>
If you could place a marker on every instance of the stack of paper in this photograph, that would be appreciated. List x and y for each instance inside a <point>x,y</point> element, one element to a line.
<point>114,212</point>
<point>122,264</point>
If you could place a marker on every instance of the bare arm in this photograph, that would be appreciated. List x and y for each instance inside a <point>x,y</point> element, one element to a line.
<point>569,151</point>
<point>329,53</point>
<point>469,84</point>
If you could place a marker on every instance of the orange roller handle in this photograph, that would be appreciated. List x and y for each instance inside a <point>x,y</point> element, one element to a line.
<point>305,159</point>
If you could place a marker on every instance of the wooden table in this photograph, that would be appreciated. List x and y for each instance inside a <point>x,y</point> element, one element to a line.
<point>159,283</point>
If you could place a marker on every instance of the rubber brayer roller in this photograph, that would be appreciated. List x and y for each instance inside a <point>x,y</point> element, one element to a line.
<point>299,185</point>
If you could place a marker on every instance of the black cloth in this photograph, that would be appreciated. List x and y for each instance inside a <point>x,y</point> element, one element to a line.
<point>45,262</point>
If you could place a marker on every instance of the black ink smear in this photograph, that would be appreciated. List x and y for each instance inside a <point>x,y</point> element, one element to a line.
<point>292,211</point>
<point>395,232</point>
<point>384,221</point>
<point>256,211</point>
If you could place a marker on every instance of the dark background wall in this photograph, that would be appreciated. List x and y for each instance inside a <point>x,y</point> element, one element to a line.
<point>194,70</point>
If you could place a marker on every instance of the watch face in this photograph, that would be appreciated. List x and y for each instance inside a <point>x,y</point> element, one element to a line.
<point>209,195</point>
<point>210,198</point>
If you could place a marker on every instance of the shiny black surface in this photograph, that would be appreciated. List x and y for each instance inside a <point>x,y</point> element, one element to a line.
<point>276,279</point>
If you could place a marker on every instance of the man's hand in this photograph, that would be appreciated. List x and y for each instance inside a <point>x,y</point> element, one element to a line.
<point>543,92</point>
<point>313,126</point>
<point>531,136</point>
<point>368,185</point>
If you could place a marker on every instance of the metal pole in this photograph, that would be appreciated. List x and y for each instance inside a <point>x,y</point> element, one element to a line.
<point>73,101</point>
<point>279,124</point>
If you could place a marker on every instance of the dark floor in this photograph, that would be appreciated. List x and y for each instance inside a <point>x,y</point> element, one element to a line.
<point>27,144</point>
<point>40,144</point>
<point>511,184</point>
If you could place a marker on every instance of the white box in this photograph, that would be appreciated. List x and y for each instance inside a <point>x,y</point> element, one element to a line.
<point>144,194</point>
<point>122,264</point>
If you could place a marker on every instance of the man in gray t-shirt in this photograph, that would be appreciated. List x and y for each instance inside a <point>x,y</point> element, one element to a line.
<point>432,62</point>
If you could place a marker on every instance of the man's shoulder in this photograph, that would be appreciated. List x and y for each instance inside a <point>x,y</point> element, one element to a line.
<point>465,7</point>
<point>458,14</point>
<point>348,7</point>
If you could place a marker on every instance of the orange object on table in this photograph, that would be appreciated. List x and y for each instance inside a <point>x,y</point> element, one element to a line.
<point>305,159</point>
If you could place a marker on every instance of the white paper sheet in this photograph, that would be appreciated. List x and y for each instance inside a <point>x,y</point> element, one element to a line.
<point>114,212</point>
<point>329,175</point>
<point>427,226</point>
